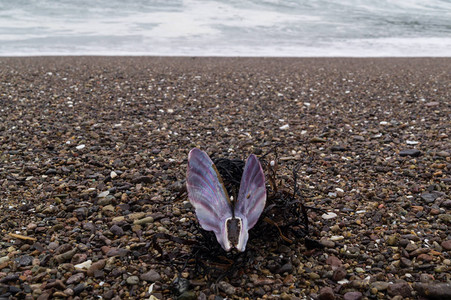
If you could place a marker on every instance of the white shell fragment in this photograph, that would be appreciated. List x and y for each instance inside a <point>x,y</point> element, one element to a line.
<point>103,194</point>
<point>84,265</point>
<point>336,238</point>
<point>329,215</point>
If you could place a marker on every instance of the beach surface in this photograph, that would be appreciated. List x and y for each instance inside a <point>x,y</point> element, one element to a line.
<point>93,155</point>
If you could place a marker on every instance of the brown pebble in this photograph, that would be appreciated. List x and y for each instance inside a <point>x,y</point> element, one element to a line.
<point>98,265</point>
<point>446,245</point>
<point>334,262</point>
<point>402,289</point>
<point>339,274</point>
<point>353,296</point>
<point>326,293</point>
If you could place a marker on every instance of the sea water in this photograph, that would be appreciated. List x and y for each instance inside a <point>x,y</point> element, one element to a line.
<point>226,27</point>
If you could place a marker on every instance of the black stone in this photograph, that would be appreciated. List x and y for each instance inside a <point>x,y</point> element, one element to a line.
<point>338,148</point>
<point>410,152</point>
<point>79,288</point>
<point>50,172</point>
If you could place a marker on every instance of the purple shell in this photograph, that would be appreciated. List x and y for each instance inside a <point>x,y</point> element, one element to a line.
<point>214,210</point>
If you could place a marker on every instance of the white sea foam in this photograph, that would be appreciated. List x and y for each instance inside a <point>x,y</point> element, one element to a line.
<point>226,27</point>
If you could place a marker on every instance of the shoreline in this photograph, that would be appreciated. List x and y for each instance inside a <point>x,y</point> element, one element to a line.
<point>93,161</point>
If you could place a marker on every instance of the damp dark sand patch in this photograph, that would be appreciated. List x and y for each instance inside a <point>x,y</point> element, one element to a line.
<point>93,157</point>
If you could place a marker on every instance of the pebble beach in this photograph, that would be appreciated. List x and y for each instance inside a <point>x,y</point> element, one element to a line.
<point>93,157</point>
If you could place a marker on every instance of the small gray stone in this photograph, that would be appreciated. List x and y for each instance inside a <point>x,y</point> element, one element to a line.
<point>81,212</point>
<point>411,247</point>
<point>429,197</point>
<point>327,243</point>
<point>24,260</point>
<point>406,262</point>
<point>380,285</point>
<point>227,288</point>
<point>133,280</point>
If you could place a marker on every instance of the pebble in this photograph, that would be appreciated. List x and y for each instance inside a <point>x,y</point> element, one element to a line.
<point>24,260</point>
<point>392,240</point>
<point>446,245</point>
<point>144,221</point>
<point>352,296</point>
<point>50,171</point>
<point>66,256</point>
<point>380,285</point>
<point>433,290</point>
<point>327,243</point>
<point>314,276</point>
<point>132,280</point>
<point>339,274</point>
<point>411,247</point>
<point>98,265</point>
<point>334,262</point>
<point>76,278</point>
<point>227,288</point>
<point>79,288</point>
<point>443,154</point>
<point>187,295</point>
<point>108,208</point>
<point>103,194</point>
<point>446,218</point>
<point>4,259</point>
<point>402,289</point>
<point>317,139</point>
<point>326,293</point>
<point>288,267</point>
<point>116,230</point>
<point>150,276</point>
<point>410,152</point>
<point>429,197</point>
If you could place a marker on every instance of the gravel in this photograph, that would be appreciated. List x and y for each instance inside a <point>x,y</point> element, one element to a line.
<point>93,157</point>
